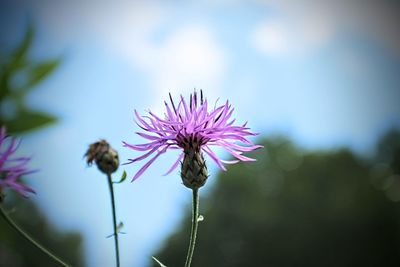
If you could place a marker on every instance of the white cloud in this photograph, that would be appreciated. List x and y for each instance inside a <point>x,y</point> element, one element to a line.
<point>271,37</point>
<point>189,57</point>
<point>288,33</point>
<point>313,23</point>
<point>185,58</point>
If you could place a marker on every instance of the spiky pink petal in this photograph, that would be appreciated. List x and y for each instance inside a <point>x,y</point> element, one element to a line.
<point>12,168</point>
<point>191,125</point>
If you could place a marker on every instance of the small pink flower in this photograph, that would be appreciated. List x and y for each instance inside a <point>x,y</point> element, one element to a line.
<point>195,127</point>
<point>11,169</point>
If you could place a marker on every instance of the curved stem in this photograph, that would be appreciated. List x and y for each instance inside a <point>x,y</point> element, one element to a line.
<point>30,239</point>
<point>195,224</point>
<point>110,185</point>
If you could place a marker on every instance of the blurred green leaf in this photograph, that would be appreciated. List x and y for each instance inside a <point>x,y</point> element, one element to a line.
<point>19,56</point>
<point>4,90</point>
<point>39,72</point>
<point>18,75</point>
<point>123,178</point>
<point>28,120</point>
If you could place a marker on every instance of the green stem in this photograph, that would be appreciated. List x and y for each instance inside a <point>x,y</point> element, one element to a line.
<point>195,224</point>
<point>110,185</point>
<point>30,239</point>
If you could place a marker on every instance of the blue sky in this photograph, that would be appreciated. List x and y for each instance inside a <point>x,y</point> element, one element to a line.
<point>327,75</point>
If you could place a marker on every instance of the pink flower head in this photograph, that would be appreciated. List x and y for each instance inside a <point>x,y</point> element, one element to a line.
<point>192,126</point>
<point>11,169</point>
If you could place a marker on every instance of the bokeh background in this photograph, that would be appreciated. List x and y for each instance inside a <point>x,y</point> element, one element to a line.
<point>319,80</point>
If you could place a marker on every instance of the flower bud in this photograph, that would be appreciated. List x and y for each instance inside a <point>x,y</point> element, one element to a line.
<point>194,171</point>
<point>104,155</point>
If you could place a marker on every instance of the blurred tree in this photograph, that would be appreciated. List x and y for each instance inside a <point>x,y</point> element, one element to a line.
<point>297,208</point>
<point>385,173</point>
<point>18,76</point>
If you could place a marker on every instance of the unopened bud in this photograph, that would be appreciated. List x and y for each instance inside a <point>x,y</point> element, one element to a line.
<point>194,172</point>
<point>104,155</point>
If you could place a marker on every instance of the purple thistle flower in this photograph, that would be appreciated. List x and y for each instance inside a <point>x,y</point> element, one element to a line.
<point>192,127</point>
<point>11,169</point>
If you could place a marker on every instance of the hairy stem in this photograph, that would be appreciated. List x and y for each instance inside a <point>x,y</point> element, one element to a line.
<point>110,185</point>
<point>29,238</point>
<point>195,224</point>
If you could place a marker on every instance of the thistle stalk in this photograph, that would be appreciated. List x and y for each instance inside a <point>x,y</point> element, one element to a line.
<point>107,161</point>
<point>110,185</point>
<point>30,239</point>
<point>195,224</point>
<point>193,128</point>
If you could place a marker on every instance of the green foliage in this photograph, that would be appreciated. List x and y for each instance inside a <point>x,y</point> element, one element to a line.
<point>123,178</point>
<point>28,120</point>
<point>19,75</point>
<point>15,251</point>
<point>297,208</point>
<point>37,73</point>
